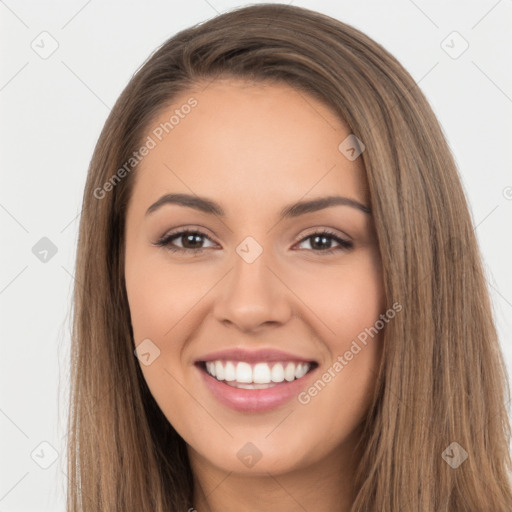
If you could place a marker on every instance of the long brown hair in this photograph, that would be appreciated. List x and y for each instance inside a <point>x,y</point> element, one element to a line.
<point>442,378</point>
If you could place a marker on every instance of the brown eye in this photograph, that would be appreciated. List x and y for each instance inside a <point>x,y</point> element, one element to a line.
<point>190,240</point>
<point>323,238</point>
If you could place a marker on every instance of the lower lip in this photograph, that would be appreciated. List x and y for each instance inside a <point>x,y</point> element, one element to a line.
<point>254,400</point>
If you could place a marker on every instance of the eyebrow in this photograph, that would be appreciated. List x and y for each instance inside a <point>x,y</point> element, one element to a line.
<point>210,207</point>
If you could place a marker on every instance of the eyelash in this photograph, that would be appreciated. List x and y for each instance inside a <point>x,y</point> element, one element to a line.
<point>165,241</point>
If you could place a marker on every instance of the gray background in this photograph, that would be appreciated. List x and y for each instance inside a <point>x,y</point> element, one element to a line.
<point>53,107</point>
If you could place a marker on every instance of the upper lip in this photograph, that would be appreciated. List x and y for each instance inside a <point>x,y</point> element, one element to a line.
<point>253,356</point>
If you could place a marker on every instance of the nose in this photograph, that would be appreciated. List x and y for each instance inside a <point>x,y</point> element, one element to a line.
<point>253,295</point>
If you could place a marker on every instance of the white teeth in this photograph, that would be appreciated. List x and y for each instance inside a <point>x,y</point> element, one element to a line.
<point>259,374</point>
<point>250,386</point>
<point>277,373</point>
<point>301,371</point>
<point>229,372</point>
<point>243,372</point>
<point>289,372</point>
<point>219,370</point>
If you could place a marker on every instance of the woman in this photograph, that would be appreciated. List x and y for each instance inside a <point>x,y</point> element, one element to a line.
<point>222,357</point>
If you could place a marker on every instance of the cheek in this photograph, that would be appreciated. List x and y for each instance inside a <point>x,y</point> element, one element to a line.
<point>159,299</point>
<point>348,304</point>
<point>345,299</point>
<point>159,295</point>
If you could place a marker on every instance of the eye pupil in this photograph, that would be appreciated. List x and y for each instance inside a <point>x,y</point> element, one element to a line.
<point>190,238</point>
<point>323,239</point>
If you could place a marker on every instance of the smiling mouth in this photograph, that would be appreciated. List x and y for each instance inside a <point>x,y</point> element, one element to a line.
<point>261,375</point>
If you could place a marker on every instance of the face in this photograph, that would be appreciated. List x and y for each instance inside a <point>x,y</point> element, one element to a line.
<point>249,319</point>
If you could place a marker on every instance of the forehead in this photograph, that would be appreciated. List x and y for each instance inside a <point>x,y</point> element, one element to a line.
<point>246,142</point>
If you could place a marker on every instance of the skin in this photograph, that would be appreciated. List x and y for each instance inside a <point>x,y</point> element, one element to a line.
<point>255,148</point>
